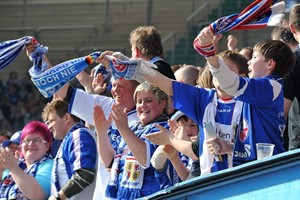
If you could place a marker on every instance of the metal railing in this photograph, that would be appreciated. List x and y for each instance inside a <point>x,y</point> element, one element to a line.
<point>92,28</point>
<point>19,29</point>
<point>190,21</point>
<point>87,50</point>
<point>171,37</point>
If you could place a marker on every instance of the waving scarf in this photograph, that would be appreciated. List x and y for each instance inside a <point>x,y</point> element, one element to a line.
<point>47,81</point>
<point>259,14</point>
<point>50,81</point>
<point>9,50</point>
<point>130,69</point>
<point>9,189</point>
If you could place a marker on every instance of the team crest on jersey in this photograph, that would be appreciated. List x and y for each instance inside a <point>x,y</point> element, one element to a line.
<point>244,132</point>
<point>133,171</point>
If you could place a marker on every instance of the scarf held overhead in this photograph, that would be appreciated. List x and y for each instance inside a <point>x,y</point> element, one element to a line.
<point>10,49</point>
<point>47,81</point>
<point>50,81</point>
<point>130,69</point>
<point>259,14</point>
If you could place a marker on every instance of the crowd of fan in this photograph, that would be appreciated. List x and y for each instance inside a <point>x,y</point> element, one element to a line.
<point>20,102</point>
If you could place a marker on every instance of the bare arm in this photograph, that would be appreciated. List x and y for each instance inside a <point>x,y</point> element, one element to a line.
<point>173,156</point>
<point>136,145</point>
<point>287,105</point>
<point>63,91</point>
<point>154,78</point>
<point>26,183</point>
<point>165,137</point>
<point>105,149</point>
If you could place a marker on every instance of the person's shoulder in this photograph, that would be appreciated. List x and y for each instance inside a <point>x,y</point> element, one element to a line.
<point>297,55</point>
<point>84,130</point>
<point>165,69</point>
<point>47,164</point>
<point>162,63</point>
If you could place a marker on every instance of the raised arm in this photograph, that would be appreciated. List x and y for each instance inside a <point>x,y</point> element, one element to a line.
<point>173,156</point>
<point>136,145</point>
<point>63,91</point>
<point>26,183</point>
<point>165,137</point>
<point>228,80</point>
<point>105,149</point>
<point>154,77</point>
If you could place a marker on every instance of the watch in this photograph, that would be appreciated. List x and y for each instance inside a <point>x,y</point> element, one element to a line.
<point>57,196</point>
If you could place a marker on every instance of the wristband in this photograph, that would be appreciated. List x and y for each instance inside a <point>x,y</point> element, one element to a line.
<point>206,51</point>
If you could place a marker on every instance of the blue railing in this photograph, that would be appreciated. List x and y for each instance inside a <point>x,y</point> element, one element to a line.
<point>277,177</point>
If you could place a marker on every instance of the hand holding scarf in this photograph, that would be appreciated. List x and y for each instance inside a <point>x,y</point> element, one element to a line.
<point>130,69</point>
<point>51,80</point>
<point>10,49</point>
<point>259,14</point>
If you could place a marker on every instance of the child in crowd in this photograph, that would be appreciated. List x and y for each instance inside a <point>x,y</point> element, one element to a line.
<point>170,166</point>
<point>262,117</point>
<point>132,175</point>
<point>202,106</point>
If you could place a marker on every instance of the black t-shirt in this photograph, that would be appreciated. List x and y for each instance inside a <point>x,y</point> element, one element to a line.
<point>291,87</point>
<point>195,146</point>
<point>165,69</point>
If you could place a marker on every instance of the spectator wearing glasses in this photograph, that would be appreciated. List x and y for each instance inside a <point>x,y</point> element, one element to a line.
<point>28,176</point>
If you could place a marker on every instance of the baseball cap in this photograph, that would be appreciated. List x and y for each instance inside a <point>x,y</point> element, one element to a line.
<point>15,138</point>
<point>177,115</point>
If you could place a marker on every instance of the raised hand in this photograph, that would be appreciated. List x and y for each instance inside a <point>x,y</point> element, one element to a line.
<point>205,37</point>
<point>30,48</point>
<point>86,81</point>
<point>218,146</point>
<point>119,116</point>
<point>232,43</point>
<point>170,152</point>
<point>101,123</point>
<point>161,137</point>
<point>98,84</point>
<point>8,159</point>
<point>102,58</point>
<point>173,124</point>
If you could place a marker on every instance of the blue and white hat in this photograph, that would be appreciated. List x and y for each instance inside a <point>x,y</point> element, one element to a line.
<point>15,138</point>
<point>177,115</point>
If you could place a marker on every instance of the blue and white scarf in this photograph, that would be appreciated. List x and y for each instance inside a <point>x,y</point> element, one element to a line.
<point>48,81</point>
<point>130,184</point>
<point>51,80</point>
<point>9,189</point>
<point>10,49</point>
<point>259,14</point>
<point>130,69</point>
